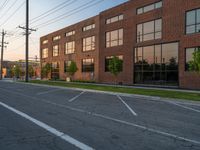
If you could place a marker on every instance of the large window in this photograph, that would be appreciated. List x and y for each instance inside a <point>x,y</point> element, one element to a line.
<point>89,27</point>
<point>67,65</point>
<point>114,19</point>
<point>149,31</point>
<point>89,43</point>
<point>70,47</point>
<point>114,38</point>
<point>157,64</point>
<point>191,58</point>
<point>107,62</point>
<point>88,65</point>
<point>55,50</point>
<point>45,53</point>
<point>55,70</point>
<point>149,7</point>
<point>193,21</point>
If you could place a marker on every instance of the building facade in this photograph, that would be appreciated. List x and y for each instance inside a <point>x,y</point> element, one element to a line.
<point>156,39</point>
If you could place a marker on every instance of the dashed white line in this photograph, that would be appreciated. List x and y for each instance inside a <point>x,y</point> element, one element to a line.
<point>186,107</point>
<point>129,108</point>
<point>46,92</point>
<point>109,118</point>
<point>77,96</point>
<point>50,129</point>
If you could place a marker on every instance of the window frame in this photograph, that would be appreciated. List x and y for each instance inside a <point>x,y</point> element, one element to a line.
<point>84,66</point>
<point>47,53</point>
<point>142,8</point>
<point>120,41</point>
<point>58,51</point>
<point>196,22</point>
<point>72,50</point>
<point>92,44</point>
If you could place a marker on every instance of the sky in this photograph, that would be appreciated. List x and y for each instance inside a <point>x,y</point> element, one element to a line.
<point>68,12</point>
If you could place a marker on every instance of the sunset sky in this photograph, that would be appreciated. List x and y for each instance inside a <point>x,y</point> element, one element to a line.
<point>12,14</point>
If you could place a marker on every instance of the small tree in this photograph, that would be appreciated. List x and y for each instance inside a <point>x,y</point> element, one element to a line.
<point>46,70</point>
<point>16,71</point>
<point>194,65</point>
<point>30,71</point>
<point>72,68</point>
<point>115,66</point>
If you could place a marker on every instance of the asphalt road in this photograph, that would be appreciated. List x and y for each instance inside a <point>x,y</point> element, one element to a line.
<point>45,118</point>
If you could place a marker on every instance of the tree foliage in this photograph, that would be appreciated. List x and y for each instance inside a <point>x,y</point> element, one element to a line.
<point>16,71</point>
<point>30,71</point>
<point>46,70</point>
<point>115,66</point>
<point>72,68</point>
<point>194,65</point>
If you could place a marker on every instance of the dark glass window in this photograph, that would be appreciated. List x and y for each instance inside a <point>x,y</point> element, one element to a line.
<point>55,70</point>
<point>66,65</point>
<point>149,31</point>
<point>191,54</point>
<point>88,65</point>
<point>107,62</point>
<point>193,21</point>
<point>157,64</point>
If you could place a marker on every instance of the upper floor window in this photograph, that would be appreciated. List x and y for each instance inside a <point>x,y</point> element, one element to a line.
<point>149,7</point>
<point>70,33</point>
<point>114,38</point>
<point>55,50</point>
<point>56,38</point>
<point>89,27</point>
<point>45,53</point>
<point>149,31</point>
<point>193,21</point>
<point>115,19</point>
<point>191,62</point>
<point>89,43</point>
<point>88,65</point>
<point>70,47</point>
<point>45,42</point>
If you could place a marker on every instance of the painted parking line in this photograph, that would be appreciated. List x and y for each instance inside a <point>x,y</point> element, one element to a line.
<point>50,129</point>
<point>129,108</point>
<point>185,107</point>
<point>75,97</point>
<point>166,134</point>
<point>46,92</point>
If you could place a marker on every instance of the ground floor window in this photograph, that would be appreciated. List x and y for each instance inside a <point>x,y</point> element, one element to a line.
<point>67,65</point>
<point>107,62</point>
<point>88,65</point>
<point>156,64</point>
<point>55,70</point>
<point>192,57</point>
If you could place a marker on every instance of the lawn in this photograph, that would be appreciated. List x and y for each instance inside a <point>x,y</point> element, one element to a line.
<point>148,92</point>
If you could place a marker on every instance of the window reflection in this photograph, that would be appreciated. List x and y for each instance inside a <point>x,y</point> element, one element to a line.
<point>157,64</point>
<point>193,21</point>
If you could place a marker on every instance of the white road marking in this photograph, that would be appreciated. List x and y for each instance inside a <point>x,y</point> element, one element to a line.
<point>50,129</point>
<point>186,107</point>
<point>77,96</point>
<point>169,135</point>
<point>46,92</point>
<point>129,108</point>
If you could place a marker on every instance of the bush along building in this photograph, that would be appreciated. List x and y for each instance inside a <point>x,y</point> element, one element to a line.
<point>157,42</point>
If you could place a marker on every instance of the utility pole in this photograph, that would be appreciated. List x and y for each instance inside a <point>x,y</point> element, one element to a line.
<point>2,51</point>
<point>27,39</point>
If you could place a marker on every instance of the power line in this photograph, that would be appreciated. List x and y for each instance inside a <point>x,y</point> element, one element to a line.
<point>63,16</point>
<point>11,6</point>
<point>18,8</point>
<point>53,10</point>
<point>4,5</point>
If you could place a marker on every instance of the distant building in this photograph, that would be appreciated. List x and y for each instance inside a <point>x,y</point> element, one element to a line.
<point>8,65</point>
<point>154,38</point>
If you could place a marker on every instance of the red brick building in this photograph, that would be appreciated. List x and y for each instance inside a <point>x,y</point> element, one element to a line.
<point>156,39</point>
